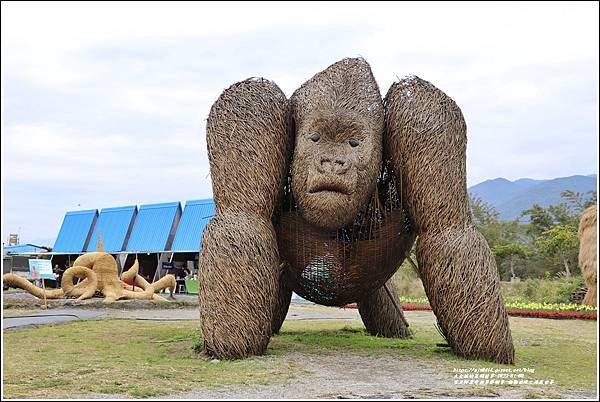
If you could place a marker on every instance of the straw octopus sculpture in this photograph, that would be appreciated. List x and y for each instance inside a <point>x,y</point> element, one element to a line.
<point>99,273</point>
<point>324,194</point>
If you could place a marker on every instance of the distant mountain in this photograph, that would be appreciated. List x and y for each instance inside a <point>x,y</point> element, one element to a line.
<point>511,198</point>
<point>524,183</point>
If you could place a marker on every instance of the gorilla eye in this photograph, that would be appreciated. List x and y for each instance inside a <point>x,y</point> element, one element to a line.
<point>353,143</point>
<point>315,137</point>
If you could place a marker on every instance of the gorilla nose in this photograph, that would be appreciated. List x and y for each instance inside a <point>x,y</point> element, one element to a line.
<point>333,165</point>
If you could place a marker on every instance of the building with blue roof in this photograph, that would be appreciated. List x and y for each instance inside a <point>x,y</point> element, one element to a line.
<point>195,216</point>
<point>154,228</point>
<point>151,238</point>
<point>24,249</point>
<point>161,236</point>
<point>114,225</point>
<point>75,232</point>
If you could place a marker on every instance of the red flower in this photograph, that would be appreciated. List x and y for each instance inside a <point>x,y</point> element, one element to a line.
<point>518,313</point>
<point>553,314</point>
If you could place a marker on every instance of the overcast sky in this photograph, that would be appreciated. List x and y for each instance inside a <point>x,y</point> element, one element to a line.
<point>105,104</point>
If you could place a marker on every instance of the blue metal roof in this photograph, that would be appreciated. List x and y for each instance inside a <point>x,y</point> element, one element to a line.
<point>23,249</point>
<point>75,231</point>
<point>153,226</point>
<point>193,221</point>
<point>113,224</point>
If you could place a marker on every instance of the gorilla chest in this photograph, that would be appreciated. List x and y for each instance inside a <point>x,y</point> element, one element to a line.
<point>335,268</point>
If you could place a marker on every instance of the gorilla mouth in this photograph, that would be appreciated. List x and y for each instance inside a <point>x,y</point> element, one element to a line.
<point>329,187</point>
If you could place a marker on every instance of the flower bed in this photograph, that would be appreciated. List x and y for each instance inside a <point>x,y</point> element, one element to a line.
<point>555,314</point>
<point>525,305</point>
<point>552,314</point>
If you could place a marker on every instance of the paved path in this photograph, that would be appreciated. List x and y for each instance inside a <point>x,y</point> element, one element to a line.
<point>14,319</point>
<point>48,317</point>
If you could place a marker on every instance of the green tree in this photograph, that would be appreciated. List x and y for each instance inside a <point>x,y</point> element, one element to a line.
<point>547,244</point>
<point>580,201</point>
<point>486,220</point>
<point>560,242</point>
<point>511,253</point>
<point>563,214</point>
<point>540,220</point>
<point>483,213</point>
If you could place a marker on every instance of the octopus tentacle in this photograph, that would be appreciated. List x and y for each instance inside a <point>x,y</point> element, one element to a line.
<point>78,289</point>
<point>145,295</point>
<point>132,274</point>
<point>108,300</point>
<point>16,281</point>
<point>86,288</point>
<point>155,297</point>
<point>166,282</point>
<point>116,294</point>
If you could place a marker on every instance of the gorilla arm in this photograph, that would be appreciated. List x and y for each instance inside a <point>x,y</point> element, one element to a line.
<point>248,146</point>
<point>426,142</point>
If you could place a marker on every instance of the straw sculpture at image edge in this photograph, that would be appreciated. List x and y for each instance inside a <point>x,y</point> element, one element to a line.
<point>588,257</point>
<point>99,273</point>
<point>324,194</point>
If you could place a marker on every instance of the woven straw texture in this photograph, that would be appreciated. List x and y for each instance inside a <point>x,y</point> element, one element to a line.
<point>325,194</point>
<point>588,257</point>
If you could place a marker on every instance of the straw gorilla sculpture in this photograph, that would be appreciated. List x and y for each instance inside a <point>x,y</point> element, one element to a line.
<point>324,194</point>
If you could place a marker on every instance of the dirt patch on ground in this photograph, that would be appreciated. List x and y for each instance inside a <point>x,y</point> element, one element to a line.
<point>349,376</point>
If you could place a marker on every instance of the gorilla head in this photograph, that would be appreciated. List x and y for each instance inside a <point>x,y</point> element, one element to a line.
<point>339,121</point>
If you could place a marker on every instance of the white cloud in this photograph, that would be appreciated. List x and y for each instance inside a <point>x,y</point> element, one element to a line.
<point>41,38</point>
<point>163,101</point>
<point>63,155</point>
<point>105,103</point>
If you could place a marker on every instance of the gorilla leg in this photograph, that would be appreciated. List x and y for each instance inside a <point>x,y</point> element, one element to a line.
<point>282,305</point>
<point>248,145</point>
<point>426,141</point>
<point>381,313</point>
<point>238,280</point>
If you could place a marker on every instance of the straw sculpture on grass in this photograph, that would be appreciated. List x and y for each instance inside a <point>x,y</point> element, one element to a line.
<point>99,273</point>
<point>324,194</point>
<point>588,257</point>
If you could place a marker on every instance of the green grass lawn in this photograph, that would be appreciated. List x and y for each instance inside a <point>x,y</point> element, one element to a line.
<point>137,358</point>
<point>147,359</point>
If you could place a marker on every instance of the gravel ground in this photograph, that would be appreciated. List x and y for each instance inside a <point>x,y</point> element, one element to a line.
<point>351,376</point>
